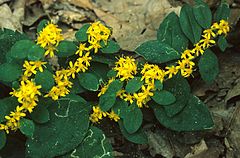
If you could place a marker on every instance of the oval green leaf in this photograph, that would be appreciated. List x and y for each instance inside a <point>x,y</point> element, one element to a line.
<point>163,97</point>
<point>222,12</point>
<point>170,32</point>
<point>10,72</point>
<point>3,139</point>
<point>88,81</point>
<point>133,119</point>
<point>208,66</point>
<point>202,14</point>
<point>45,79</point>
<point>189,25</point>
<point>111,47</point>
<point>66,48</point>
<point>194,117</point>
<point>21,49</point>
<point>36,53</point>
<point>27,127</point>
<point>157,52</point>
<point>81,35</point>
<point>134,85</point>
<point>40,114</point>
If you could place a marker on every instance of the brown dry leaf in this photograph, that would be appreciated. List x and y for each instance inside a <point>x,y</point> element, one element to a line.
<point>133,22</point>
<point>47,3</point>
<point>234,92</point>
<point>159,144</point>
<point>8,19</point>
<point>69,17</point>
<point>33,13</point>
<point>197,149</point>
<point>234,137</point>
<point>80,3</point>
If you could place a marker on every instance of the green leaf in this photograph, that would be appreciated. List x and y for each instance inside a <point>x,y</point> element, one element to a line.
<point>120,108</point>
<point>111,73</point>
<point>81,35</point>
<point>134,85</point>
<point>222,43</point>
<point>94,145</point>
<point>158,85</point>
<point>27,127</point>
<point>202,14</point>
<point>115,86</point>
<point>181,90</point>
<point>222,12</point>
<point>106,101</point>
<point>100,70</point>
<point>40,114</point>
<point>66,49</point>
<point>138,137</point>
<point>170,32</point>
<point>3,139</point>
<point>36,53</point>
<point>20,49</point>
<point>111,47</point>
<point>6,106</point>
<point>68,125</point>
<point>163,97</point>
<point>45,79</point>
<point>189,25</point>
<point>88,81</point>
<point>208,66</point>
<point>7,39</point>
<point>10,72</point>
<point>194,117</point>
<point>157,52</point>
<point>41,25</point>
<point>133,119</point>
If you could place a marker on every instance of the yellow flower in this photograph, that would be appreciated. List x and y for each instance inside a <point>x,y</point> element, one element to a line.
<point>49,36</point>
<point>82,47</point>
<point>187,54</point>
<point>29,69</point>
<point>128,97</point>
<point>18,113</point>
<point>126,68</point>
<point>4,127</point>
<point>113,116</point>
<point>151,72</point>
<point>209,33</point>
<point>97,32</point>
<point>38,65</point>
<point>198,49</point>
<point>50,51</point>
<point>105,87</point>
<point>144,96</point>
<point>71,70</point>
<point>206,42</point>
<point>171,70</point>
<point>97,114</point>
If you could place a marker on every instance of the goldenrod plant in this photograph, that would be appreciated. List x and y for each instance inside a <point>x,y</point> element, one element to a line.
<point>46,102</point>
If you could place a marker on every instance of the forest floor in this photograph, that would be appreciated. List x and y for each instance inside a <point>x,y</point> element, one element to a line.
<point>133,22</point>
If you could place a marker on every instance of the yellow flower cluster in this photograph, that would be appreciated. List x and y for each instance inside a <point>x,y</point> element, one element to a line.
<point>31,67</point>
<point>97,32</point>
<point>126,68</point>
<point>98,115</point>
<point>49,38</point>
<point>27,96</point>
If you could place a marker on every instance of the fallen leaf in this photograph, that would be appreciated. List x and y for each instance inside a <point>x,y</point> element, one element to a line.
<point>133,22</point>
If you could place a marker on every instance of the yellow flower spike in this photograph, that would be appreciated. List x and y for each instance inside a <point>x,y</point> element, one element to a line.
<point>198,49</point>
<point>49,36</point>
<point>71,70</point>
<point>113,116</point>
<point>187,54</point>
<point>209,33</point>
<point>171,70</point>
<point>29,69</point>
<point>126,68</point>
<point>206,42</point>
<point>82,47</point>
<point>38,64</point>
<point>4,127</point>
<point>223,27</point>
<point>128,97</point>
